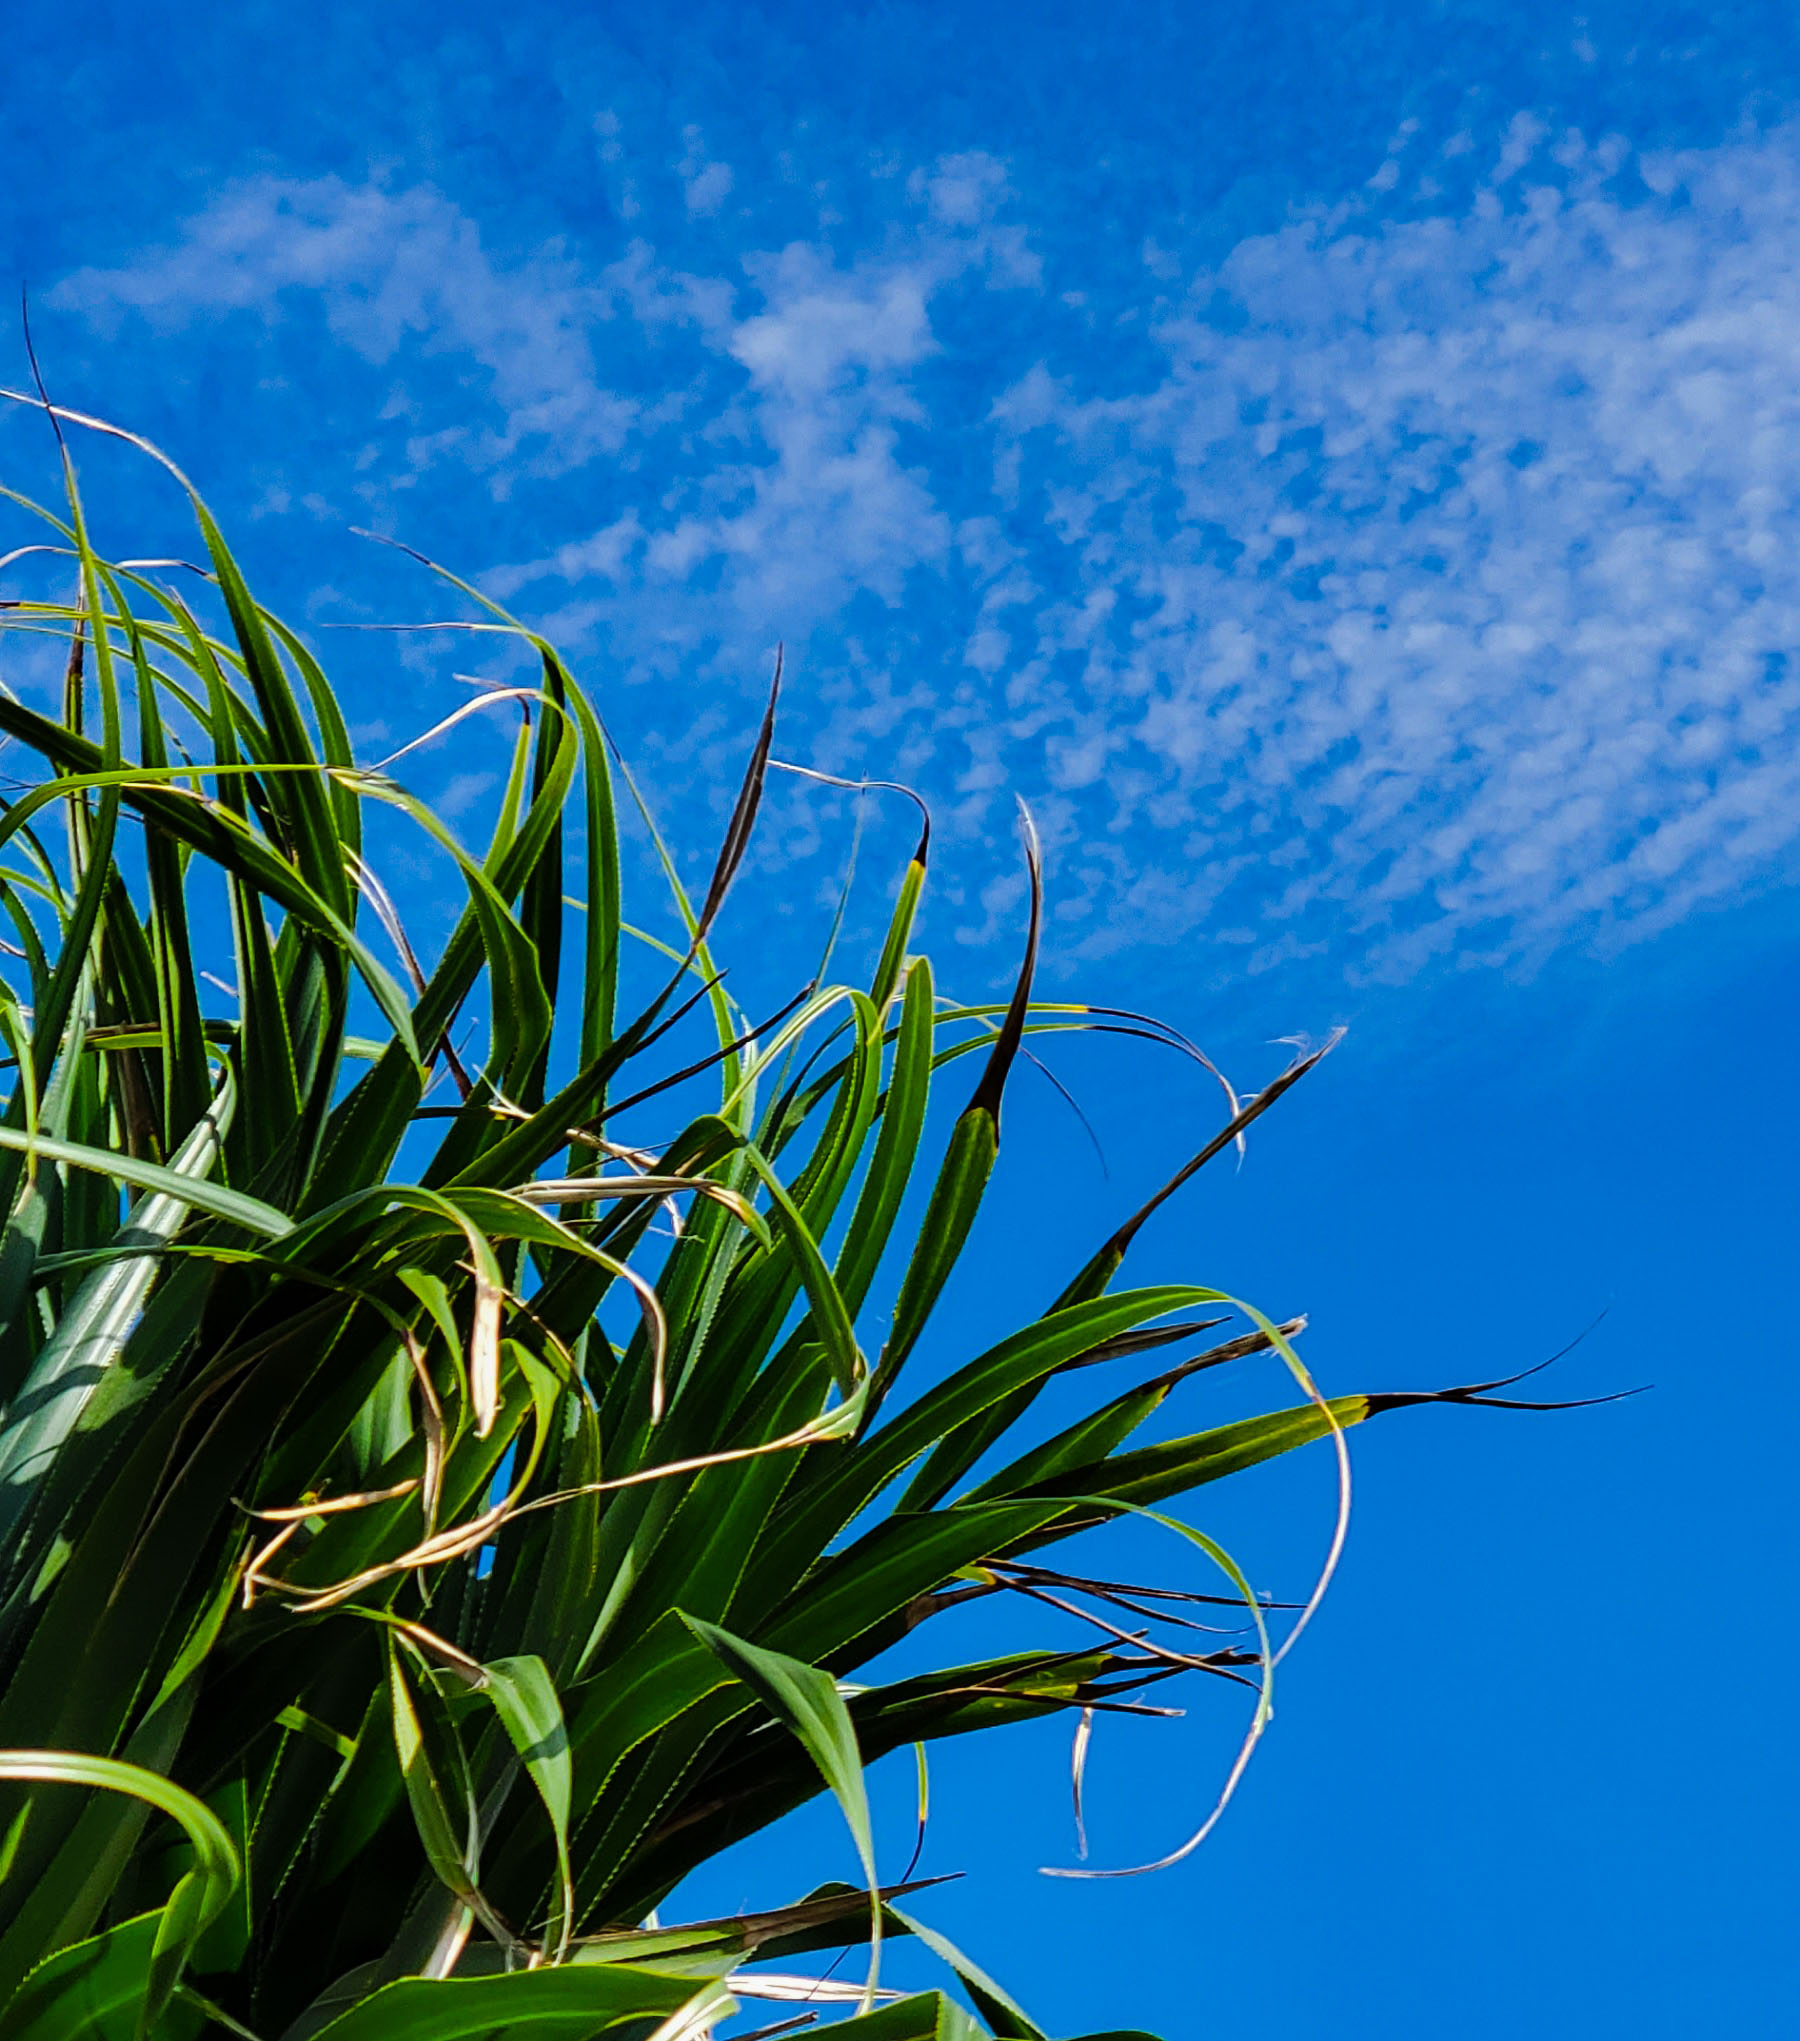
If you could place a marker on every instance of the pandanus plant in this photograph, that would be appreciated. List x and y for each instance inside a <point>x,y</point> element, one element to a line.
<point>435,1522</point>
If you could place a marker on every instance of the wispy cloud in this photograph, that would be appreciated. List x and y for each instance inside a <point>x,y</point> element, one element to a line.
<point>1447,568</point>
<point>705,182</point>
<point>1416,583</point>
<point>404,282</point>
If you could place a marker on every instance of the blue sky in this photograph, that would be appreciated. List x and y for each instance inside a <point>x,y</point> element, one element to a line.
<point>1340,465</point>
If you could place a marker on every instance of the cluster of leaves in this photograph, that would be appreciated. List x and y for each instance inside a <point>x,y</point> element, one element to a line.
<point>387,1626</point>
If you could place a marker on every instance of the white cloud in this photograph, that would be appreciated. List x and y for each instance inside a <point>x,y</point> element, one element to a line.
<point>397,275</point>
<point>1432,593</point>
<point>809,498</point>
<point>802,496</point>
<point>462,792</point>
<point>1451,564</point>
<point>706,184</point>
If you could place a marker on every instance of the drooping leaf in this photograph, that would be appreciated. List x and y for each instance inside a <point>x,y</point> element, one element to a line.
<point>573,2003</point>
<point>807,1702</point>
<point>199,1896</point>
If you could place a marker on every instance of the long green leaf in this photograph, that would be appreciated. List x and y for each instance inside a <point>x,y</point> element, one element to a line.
<point>214,1199</point>
<point>91,1332</point>
<point>807,1701</point>
<point>199,1896</point>
<point>572,2003</point>
<point>525,1699</point>
<point>94,1990</point>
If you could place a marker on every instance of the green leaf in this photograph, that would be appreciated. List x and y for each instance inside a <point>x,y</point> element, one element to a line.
<point>570,2003</point>
<point>443,1806</point>
<point>795,1541</point>
<point>928,2017</point>
<point>807,1701</point>
<point>525,1699</point>
<point>892,964</point>
<point>1006,2018</point>
<point>91,1332</point>
<point>896,1145</point>
<point>93,1991</point>
<point>1152,1473</point>
<point>974,1145</point>
<point>956,1197</point>
<point>199,1896</point>
<point>214,833</point>
<point>830,1313</point>
<point>213,1199</point>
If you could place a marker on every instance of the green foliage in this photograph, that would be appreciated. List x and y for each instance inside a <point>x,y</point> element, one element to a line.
<point>433,1527</point>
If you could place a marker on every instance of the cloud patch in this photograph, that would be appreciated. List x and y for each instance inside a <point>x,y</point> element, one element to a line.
<point>1415,586</point>
<point>402,281</point>
<point>1449,563</point>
